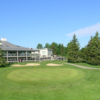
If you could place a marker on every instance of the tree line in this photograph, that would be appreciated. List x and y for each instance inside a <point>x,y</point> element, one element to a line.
<point>89,54</point>
<point>58,49</point>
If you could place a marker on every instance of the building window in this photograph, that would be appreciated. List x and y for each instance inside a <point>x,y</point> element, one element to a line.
<point>43,52</point>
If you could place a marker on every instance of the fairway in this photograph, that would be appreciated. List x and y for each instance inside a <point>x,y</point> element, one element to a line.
<point>41,75</point>
<point>66,82</point>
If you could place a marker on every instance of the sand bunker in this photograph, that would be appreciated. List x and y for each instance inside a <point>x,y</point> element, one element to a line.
<point>29,64</point>
<point>52,64</point>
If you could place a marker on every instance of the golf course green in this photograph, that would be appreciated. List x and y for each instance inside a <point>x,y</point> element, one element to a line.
<point>41,75</point>
<point>66,82</point>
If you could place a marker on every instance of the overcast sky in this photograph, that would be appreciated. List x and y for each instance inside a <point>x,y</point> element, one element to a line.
<point>29,22</point>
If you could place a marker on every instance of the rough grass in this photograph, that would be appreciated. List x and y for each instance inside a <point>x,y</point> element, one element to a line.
<point>88,65</point>
<point>84,86</point>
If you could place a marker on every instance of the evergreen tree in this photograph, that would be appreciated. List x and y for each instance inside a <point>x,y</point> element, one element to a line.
<point>62,50</point>
<point>54,48</point>
<point>82,53</point>
<point>2,60</point>
<point>65,50</point>
<point>58,49</point>
<point>73,50</point>
<point>92,50</point>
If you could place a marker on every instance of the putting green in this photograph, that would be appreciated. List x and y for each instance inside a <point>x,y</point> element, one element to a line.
<point>45,74</point>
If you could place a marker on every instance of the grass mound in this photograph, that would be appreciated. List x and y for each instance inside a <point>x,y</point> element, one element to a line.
<point>41,75</point>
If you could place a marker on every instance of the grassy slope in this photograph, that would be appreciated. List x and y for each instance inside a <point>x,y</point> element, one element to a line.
<point>88,65</point>
<point>86,88</point>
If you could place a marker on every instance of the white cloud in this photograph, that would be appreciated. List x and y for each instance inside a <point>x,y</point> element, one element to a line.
<point>87,31</point>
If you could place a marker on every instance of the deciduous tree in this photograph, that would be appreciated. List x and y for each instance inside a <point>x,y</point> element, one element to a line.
<point>47,45</point>
<point>39,46</point>
<point>2,60</point>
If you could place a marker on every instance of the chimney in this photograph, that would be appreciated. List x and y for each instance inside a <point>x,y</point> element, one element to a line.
<point>3,39</point>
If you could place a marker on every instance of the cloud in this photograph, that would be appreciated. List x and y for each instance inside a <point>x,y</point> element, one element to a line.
<point>87,31</point>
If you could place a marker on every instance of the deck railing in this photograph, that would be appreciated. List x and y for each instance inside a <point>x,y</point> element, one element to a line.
<point>21,54</point>
<point>24,55</point>
<point>15,54</point>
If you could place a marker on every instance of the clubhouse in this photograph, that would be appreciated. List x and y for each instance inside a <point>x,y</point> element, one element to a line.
<point>15,53</point>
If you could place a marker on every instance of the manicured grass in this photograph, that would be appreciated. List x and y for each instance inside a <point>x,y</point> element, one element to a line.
<point>49,83</point>
<point>41,75</point>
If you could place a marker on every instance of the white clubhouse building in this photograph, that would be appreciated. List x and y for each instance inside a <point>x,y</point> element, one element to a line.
<point>44,53</point>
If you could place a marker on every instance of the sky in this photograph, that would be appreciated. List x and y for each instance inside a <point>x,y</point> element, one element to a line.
<point>29,22</point>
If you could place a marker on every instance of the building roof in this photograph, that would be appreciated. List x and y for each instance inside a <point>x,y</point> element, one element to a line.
<point>4,45</point>
<point>44,49</point>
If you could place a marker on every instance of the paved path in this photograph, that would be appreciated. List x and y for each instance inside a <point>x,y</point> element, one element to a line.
<point>82,66</point>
